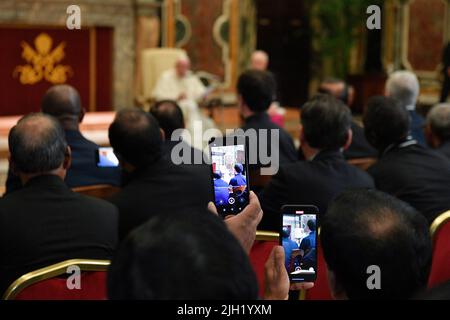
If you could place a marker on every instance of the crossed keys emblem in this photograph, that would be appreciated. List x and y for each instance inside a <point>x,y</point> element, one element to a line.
<point>42,62</point>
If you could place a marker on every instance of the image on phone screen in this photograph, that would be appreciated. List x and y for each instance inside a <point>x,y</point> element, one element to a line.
<point>106,158</point>
<point>230,177</point>
<point>299,241</point>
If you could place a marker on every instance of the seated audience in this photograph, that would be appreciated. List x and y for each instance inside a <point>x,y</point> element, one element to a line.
<point>404,87</point>
<point>154,184</point>
<point>438,129</point>
<point>406,169</point>
<point>289,246</point>
<point>170,118</point>
<point>209,265</point>
<point>45,222</point>
<point>370,228</point>
<point>63,103</point>
<point>256,91</point>
<point>188,255</point>
<point>326,132</point>
<point>359,148</point>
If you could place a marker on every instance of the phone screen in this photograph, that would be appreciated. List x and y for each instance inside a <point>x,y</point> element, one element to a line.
<point>230,174</point>
<point>106,158</point>
<point>298,237</point>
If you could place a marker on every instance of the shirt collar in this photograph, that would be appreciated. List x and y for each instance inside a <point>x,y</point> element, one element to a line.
<point>411,107</point>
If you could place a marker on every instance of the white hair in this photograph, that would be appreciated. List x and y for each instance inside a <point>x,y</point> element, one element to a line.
<point>404,87</point>
<point>439,120</point>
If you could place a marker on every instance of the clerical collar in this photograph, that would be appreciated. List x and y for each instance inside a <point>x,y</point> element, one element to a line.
<point>411,107</point>
<point>408,142</point>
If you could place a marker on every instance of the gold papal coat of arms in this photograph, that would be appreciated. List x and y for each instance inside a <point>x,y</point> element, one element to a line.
<point>42,62</point>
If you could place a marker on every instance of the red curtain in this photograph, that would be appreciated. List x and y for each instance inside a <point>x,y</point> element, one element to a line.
<point>32,59</point>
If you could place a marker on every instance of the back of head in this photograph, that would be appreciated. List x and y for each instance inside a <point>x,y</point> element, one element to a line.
<point>326,122</point>
<point>63,102</point>
<point>370,228</point>
<point>257,89</point>
<point>184,256</point>
<point>386,122</point>
<point>439,121</point>
<point>37,144</point>
<point>404,87</point>
<point>337,88</point>
<point>169,116</point>
<point>136,137</point>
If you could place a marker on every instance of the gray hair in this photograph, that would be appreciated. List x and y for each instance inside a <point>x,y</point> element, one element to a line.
<point>37,144</point>
<point>404,87</point>
<point>439,121</point>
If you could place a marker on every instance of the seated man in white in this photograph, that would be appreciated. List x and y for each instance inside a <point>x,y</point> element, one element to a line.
<point>183,86</point>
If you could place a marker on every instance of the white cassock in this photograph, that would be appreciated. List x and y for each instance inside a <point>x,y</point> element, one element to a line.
<point>171,87</point>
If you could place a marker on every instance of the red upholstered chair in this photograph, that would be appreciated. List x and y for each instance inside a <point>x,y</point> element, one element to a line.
<point>321,290</point>
<point>265,241</point>
<point>440,268</point>
<point>45,283</point>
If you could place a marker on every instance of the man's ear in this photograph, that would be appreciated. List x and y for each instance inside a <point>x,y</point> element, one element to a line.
<point>348,143</point>
<point>163,134</point>
<point>82,114</point>
<point>337,291</point>
<point>431,138</point>
<point>67,158</point>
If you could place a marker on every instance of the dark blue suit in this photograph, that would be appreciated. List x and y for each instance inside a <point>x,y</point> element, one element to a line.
<point>221,192</point>
<point>416,127</point>
<point>83,170</point>
<point>238,180</point>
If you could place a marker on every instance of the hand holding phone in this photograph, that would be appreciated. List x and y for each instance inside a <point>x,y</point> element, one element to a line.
<point>298,236</point>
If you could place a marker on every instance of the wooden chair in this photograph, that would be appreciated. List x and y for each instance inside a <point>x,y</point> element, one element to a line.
<point>98,191</point>
<point>46,283</point>
<point>440,233</point>
<point>363,163</point>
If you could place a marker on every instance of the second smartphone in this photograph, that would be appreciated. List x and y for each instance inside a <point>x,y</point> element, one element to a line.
<point>298,236</point>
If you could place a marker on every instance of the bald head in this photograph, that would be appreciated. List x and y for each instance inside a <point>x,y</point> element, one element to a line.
<point>259,61</point>
<point>37,145</point>
<point>63,102</point>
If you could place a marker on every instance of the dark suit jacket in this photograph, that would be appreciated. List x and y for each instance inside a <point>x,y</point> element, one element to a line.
<point>162,188</point>
<point>315,182</point>
<point>83,171</point>
<point>193,154</point>
<point>416,127</point>
<point>46,223</point>
<point>417,175</point>
<point>445,149</point>
<point>287,150</point>
<point>360,147</point>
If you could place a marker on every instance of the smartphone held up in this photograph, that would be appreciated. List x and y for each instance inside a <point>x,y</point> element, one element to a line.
<point>298,236</point>
<point>229,158</point>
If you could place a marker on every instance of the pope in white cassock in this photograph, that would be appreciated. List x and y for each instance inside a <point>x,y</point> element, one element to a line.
<point>181,85</point>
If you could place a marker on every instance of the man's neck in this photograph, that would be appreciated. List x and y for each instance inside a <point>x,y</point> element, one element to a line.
<point>309,153</point>
<point>26,177</point>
